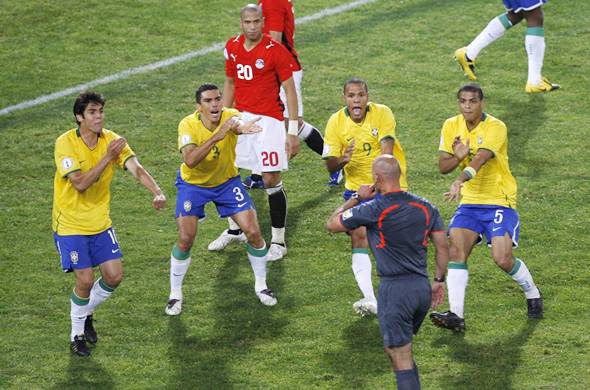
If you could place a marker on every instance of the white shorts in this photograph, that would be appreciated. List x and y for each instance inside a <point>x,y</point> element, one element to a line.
<point>264,151</point>
<point>297,78</point>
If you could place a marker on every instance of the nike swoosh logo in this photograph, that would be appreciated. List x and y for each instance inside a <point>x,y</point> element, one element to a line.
<point>114,250</point>
<point>242,204</point>
<point>496,228</point>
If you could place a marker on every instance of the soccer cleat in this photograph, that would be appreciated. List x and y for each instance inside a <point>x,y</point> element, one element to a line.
<point>252,184</point>
<point>535,307</point>
<point>365,307</point>
<point>79,347</point>
<point>448,320</point>
<point>336,178</point>
<point>225,239</point>
<point>466,64</point>
<point>276,251</point>
<point>89,332</point>
<point>267,297</point>
<point>173,307</point>
<point>544,86</point>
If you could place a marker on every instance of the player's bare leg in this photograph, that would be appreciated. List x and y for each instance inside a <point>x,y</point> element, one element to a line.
<point>362,268</point>
<point>277,204</point>
<point>180,261</point>
<point>517,269</point>
<point>404,367</point>
<point>257,254</point>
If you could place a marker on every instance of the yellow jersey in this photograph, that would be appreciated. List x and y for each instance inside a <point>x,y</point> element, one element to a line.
<point>378,125</point>
<point>83,213</point>
<point>219,165</point>
<point>494,183</point>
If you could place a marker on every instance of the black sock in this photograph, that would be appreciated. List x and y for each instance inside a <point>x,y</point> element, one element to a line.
<point>315,141</point>
<point>406,380</point>
<point>277,203</point>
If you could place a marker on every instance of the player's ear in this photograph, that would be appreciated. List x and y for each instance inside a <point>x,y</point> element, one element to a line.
<point>79,117</point>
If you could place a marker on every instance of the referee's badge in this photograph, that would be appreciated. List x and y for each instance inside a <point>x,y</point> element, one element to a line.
<point>375,132</point>
<point>346,214</point>
<point>74,257</point>
<point>259,63</point>
<point>187,205</point>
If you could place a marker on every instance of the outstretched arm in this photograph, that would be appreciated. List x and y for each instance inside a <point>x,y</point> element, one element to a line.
<point>143,176</point>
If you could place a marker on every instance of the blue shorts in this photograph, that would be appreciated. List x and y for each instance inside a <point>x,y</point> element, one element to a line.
<point>348,193</point>
<point>516,6</point>
<point>488,220</point>
<point>230,198</point>
<point>403,303</point>
<point>79,251</point>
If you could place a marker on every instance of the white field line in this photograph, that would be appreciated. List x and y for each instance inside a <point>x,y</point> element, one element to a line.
<point>216,47</point>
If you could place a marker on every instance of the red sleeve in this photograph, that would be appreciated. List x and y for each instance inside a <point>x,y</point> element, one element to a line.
<point>274,16</point>
<point>230,69</point>
<point>284,61</point>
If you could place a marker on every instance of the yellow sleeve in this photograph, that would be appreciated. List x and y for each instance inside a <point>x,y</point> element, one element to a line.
<point>332,145</point>
<point>494,138</point>
<point>186,134</point>
<point>446,137</point>
<point>387,125</point>
<point>66,158</point>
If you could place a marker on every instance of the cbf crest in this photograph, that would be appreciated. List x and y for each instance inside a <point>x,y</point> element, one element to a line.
<point>479,140</point>
<point>259,63</point>
<point>74,257</point>
<point>187,205</point>
<point>375,132</point>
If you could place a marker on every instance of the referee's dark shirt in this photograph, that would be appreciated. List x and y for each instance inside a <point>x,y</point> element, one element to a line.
<point>398,226</point>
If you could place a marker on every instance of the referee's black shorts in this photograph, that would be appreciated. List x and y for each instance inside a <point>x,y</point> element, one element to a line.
<point>403,303</point>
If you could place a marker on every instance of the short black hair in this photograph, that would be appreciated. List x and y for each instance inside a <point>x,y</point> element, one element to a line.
<point>85,98</point>
<point>355,80</point>
<point>471,87</point>
<point>203,88</point>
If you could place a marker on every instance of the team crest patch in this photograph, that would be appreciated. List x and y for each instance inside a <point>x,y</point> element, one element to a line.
<point>187,205</point>
<point>259,63</point>
<point>479,140</point>
<point>67,163</point>
<point>74,257</point>
<point>375,132</point>
<point>346,214</point>
<point>185,139</point>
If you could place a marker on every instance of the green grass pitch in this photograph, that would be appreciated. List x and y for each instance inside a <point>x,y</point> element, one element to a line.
<point>225,339</point>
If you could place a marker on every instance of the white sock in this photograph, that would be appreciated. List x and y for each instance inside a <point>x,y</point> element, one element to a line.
<point>494,30</point>
<point>278,235</point>
<point>304,131</point>
<point>78,310</point>
<point>457,279</point>
<point>361,267</point>
<point>178,269</point>
<point>100,292</point>
<point>258,262</point>
<point>232,224</point>
<point>521,275</point>
<point>535,49</point>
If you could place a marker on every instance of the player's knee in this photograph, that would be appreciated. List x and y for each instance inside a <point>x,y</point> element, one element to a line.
<point>84,282</point>
<point>185,242</point>
<point>113,279</point>
<point>504,261</point>
<point>457,253</point>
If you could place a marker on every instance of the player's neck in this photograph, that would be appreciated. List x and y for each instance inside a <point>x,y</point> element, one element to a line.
<point>89,137</point>
<point>472,124</point>
<point>249,45</point>
<point>388,188</point>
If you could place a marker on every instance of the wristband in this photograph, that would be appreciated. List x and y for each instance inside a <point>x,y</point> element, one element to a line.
<point>293,128</point>
<point>439,280</point>
<point>469,172</point>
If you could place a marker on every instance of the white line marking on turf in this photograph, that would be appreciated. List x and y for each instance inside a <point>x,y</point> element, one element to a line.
<point>167,62</point>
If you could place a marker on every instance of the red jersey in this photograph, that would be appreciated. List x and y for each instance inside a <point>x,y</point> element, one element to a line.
<point>279,15</point>
<point>258,74</point>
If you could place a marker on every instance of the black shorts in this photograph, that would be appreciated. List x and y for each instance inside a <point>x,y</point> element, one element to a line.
<point>403,305</point>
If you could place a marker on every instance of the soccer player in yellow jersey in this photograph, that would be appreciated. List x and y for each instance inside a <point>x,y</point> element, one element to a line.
<point>354,137</point>
<point>84,237</point>
<point>207,140</point>
<point>477,143</point>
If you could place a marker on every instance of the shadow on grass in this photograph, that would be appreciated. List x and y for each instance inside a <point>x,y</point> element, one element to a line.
<point>359,359</point>
<point>523,119</point>
<point>487,365</point>
<point>85,373</point>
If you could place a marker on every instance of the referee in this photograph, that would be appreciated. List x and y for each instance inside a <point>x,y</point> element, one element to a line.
<point>398,227</point>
